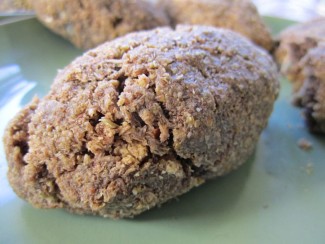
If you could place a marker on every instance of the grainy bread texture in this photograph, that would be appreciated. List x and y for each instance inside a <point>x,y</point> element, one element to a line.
<point>238,15</point>
<point>89,23</point>
<point>142,119</point>
<point>300,55</point>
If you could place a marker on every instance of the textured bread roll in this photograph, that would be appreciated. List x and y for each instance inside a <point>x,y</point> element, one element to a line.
<point>311,94</point>
<point>142,119</point>
<point>301,57</point>
<point>294,44</point>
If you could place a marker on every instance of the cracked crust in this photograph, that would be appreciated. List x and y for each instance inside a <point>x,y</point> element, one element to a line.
<point>238,15</point>
<point>89,23</point>
<point>142,119</point>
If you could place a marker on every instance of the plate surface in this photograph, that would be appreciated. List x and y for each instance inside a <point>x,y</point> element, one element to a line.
<point>276,197</point>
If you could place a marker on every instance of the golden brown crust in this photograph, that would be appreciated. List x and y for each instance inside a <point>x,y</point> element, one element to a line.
<point>238,15</point>
<point>143,119</point>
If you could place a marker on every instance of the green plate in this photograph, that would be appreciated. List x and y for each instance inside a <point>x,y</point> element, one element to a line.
<point>276,197</point>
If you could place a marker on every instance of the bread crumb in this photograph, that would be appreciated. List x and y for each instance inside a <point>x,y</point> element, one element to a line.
<point>309,168</point>
<point>304,144</point>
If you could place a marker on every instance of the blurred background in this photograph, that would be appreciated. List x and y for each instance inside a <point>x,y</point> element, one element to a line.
<point>298,10</point>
